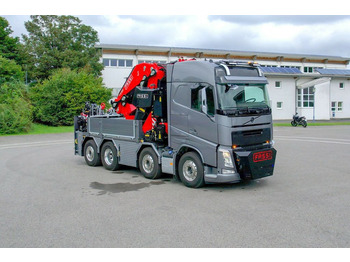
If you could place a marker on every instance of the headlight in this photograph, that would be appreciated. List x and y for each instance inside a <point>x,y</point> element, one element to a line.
<point>227,158</point>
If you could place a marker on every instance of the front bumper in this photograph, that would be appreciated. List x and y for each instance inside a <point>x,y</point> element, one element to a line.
<point>255,164</point>
<point>249,165</point>
<point>222,178</point>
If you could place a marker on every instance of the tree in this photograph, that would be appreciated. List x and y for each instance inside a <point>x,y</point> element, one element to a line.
<point>15,108</point>
<point>9,46</point>
<point>60,42</point>
<point>9,71</point>
<point>58,99</point>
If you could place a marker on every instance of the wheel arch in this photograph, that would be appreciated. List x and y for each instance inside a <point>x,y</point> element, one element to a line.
<point>104,141</point>
<point>185,149</point>
<point>98,143</point>
<point>142,147</point>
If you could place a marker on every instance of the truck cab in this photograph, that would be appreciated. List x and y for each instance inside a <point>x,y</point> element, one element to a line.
<point>221,112</point>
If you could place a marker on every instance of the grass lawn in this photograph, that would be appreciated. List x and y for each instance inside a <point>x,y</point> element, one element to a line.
<point>43,129</point>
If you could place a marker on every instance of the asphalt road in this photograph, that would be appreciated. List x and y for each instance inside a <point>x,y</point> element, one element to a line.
<point>51,198</point>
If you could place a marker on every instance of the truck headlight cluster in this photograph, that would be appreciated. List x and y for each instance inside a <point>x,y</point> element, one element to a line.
<point>227,158</point>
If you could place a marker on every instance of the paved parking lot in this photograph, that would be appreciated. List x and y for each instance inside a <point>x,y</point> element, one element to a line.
<point>51,198</point>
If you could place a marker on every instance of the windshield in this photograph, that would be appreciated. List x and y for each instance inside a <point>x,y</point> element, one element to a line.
<point>242,96</point>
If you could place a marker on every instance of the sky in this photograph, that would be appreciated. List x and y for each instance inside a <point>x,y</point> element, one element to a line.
<point>295,34</point>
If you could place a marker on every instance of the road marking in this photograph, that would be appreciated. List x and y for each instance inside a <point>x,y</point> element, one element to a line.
<point>315,140</point>
<point>36,144</point>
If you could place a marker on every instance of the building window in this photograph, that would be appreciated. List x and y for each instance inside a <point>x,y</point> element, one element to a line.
<point>153,61</point>
<point>121,63</point>
<point>106,62</point>
<point>333,106</point>
<point>337,106</point>
<point>278,84</point>
<point>113,62</point>
<point>279,105</point>
<point>117,62</point>
<point>341,85</point>
<point>297,67</point>
<point>340,106</point>
<point>310,69</point>
<point>306,97</point>
<point>128,63</point>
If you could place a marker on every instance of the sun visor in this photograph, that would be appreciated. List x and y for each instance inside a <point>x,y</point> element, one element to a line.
<point>242,80</point>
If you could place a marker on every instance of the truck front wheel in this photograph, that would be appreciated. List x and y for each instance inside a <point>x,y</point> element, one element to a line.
<point>148,164</point>
<point>109,156</point>
<point>90,154</point>
<point>191,170</point>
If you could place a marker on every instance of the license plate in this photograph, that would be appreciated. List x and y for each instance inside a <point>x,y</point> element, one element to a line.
<point>262,156</point>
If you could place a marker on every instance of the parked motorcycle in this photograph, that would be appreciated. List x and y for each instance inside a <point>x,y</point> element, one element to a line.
<point>299,120</point>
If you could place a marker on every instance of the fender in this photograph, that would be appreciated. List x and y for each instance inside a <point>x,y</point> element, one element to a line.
<point>193,149</point>
<point>146,144</point>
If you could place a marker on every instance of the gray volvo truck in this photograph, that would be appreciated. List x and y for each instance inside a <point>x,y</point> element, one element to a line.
<point>202,121</point>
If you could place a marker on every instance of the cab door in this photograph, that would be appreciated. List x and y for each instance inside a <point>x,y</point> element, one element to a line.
<point>201,121</point>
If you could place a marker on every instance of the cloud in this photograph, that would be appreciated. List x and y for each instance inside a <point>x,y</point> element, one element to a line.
<point>94,20</point>
<point>323,35</point>
<point>280,19</point>
<point>317,35</point>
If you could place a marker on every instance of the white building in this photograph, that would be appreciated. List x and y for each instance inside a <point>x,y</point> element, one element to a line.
<point>315,86</point>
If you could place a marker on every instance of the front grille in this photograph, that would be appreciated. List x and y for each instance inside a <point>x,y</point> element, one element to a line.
<point>251,137</point>
<point>252,132</point>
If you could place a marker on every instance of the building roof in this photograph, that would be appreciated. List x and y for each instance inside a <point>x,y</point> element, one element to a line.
<point>220,54</point>
<point>281,70</point>
<point>335,72</point>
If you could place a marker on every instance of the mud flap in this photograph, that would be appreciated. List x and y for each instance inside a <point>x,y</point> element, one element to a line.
<point>255,164</point>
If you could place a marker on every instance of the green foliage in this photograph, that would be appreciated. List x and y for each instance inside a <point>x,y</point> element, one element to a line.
<point>57,100</point>
<point>40,129</point>
<point>55,42</point>
<point>9,46</point>
<point>15,108</point>
<point>9,71</point>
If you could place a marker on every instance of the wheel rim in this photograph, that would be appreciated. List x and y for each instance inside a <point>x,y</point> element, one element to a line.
<point>90,153</point>
<point>147,163</point>
<point>189,170</point>
<point>108,156</point>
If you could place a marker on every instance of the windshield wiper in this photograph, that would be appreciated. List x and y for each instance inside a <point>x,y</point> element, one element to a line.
<point>257,110</point>
<point>233,111</point>
<point>244,111</point>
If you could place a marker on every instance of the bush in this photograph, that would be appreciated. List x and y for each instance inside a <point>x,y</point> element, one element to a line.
<point>57,100</point>
<point>15,108</point>
<point>9,71</point>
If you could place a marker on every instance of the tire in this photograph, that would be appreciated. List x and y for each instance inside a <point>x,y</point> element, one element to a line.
<point>304,123</point>
<point>91,156</point>
<point>191,170</point>
<point>109,156</point>
<point>148,164</point>
<point>293,123</point>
